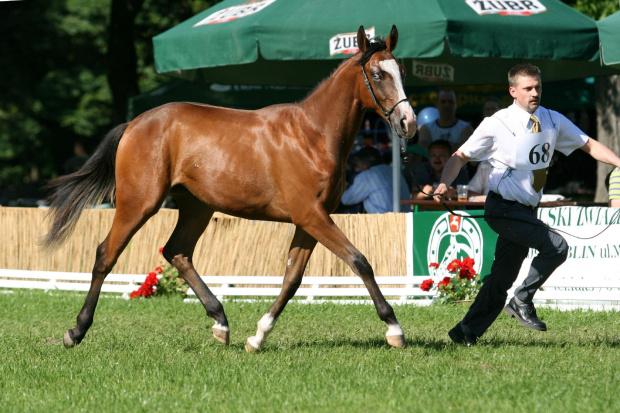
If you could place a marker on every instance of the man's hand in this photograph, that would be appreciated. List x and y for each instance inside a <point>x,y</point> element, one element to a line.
<point>440,192</point>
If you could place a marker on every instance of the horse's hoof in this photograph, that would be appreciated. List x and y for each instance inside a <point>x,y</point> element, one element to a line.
<point>67,340</point>
<point>223,336</point>
<point>250,347</point>
<point>396,341</point>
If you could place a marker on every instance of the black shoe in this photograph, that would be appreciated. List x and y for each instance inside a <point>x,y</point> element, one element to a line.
<point>458,336</point>
<point>525,314</point>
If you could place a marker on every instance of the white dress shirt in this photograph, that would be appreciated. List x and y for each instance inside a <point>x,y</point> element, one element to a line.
<point>505,128</point>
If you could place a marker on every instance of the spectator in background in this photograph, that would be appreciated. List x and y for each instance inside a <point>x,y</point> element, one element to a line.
<point>479,183</point>
<point>490,106</point>
<point>372,186</point>
<point>427,175</point>
<point>614,188</point>
<point>478,186</point>
<point>79,158</point>
<point>414,155</point>
<point>447,126</point>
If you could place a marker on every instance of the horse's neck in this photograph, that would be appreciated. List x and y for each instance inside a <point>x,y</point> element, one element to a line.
<point>336,107</point>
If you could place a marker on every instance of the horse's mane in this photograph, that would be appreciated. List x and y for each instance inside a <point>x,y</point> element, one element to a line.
<point>377,44</point>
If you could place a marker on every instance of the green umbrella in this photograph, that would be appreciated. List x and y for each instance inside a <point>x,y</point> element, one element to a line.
<point>295,42</point>
<point>609,32</point>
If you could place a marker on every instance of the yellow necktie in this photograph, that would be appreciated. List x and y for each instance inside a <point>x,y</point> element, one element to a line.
<point>540,175</point>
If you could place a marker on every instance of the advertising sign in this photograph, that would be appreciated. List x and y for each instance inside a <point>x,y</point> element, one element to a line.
<point>592,233</point>
<point>440,237</point>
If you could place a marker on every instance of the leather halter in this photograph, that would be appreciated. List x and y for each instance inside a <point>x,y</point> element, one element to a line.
<point>374,98</point>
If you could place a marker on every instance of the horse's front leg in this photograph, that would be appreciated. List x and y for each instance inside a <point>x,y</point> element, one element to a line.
<point>193,219</point>
<point>299,253</point>
<point>325,231</point>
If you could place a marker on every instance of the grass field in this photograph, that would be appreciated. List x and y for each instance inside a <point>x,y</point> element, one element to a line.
<point>158,355</point>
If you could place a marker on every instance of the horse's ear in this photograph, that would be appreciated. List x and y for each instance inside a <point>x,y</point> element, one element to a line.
<point>362,40</point>
<point>392,40</point>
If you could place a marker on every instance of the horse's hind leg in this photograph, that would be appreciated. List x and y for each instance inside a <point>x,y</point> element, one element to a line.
<point>126,223</point>
<point>298,256</point>
<point>194,217</point>
<point>324,230</point>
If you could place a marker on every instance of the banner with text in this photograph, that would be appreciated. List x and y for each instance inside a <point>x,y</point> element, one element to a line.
<point>593,238</point>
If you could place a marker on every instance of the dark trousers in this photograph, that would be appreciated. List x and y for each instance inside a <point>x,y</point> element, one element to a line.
<point>518,230</point>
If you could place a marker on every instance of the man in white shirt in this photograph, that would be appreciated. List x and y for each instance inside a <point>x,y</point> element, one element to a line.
<point>447,127</point>
<point>518,142</point>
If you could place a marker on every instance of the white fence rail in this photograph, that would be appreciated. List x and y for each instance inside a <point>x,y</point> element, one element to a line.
<point>401,289</point>
<point>598,293</point>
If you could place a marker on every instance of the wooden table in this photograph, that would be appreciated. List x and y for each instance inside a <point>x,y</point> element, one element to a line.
<point>430,205</point>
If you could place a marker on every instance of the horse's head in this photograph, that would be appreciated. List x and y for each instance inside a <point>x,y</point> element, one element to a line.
<point>384,78</point>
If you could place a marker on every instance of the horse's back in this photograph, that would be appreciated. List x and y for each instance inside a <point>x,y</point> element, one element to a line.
<point>225,157</point>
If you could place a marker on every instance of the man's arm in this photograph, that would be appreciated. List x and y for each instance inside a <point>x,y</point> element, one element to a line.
<point>357,192</point>
<point>601,152</point>
<point>450,172</point>
<point>465,134</point>
<point>417,195</point>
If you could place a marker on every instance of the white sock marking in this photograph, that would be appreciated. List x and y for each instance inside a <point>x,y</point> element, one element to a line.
<point>395,330</point>
<point>265,325</point>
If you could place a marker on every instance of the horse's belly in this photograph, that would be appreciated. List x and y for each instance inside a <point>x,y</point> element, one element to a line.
<point>241,199</point>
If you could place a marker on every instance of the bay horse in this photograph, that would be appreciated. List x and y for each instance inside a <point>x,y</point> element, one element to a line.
<point>281,163</point>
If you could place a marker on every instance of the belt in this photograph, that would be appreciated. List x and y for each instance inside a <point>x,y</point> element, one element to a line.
<point>495,195</point>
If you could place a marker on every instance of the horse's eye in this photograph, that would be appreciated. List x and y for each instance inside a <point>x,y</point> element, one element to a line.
<point>376,76</point>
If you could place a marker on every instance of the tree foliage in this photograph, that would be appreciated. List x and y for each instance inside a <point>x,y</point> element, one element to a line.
<point>69,67</point>
<point>67,74</point>
<point>596,9</point>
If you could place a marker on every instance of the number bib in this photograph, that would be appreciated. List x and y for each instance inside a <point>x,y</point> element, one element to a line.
<point>528,152</point>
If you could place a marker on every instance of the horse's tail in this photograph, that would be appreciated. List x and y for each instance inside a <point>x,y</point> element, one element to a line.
<point>86,187</point>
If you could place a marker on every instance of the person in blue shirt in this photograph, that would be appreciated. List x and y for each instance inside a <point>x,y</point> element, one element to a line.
<point>372,186</point>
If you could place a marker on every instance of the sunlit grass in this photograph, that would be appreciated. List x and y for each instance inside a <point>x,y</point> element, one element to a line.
<point>158,355</point>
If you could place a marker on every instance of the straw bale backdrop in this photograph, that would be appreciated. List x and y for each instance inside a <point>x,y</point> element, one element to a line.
<point>229,246</point>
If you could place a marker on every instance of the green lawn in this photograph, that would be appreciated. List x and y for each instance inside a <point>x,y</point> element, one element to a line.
<point>158,355</point>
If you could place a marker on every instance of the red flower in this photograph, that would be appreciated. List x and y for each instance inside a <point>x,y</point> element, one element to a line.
<point>433,265</point>
<point>147,287</point>
<point>426,285</point>
<point>468,262</point>
<point>445,283</point>
<point>454,266</point>
<point>467,269</point>
<point>161,250</point>
<point>159,270</point>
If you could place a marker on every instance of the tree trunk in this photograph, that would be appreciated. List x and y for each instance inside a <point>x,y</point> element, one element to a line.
<point>122,61</point>
<point>607,126</point>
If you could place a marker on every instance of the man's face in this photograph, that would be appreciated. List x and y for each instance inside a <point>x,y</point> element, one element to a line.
<point>489,108</point>
<point>527,93</point>
<point>446,103</point>
<point>438,156</point>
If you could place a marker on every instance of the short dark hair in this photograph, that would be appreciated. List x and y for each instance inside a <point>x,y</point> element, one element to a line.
<point>368,155</point>
<point>442,143</point>
<point>493,99</point>
<point>522,69</point>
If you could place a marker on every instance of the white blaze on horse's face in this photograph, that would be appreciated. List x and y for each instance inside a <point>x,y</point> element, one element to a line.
<point>403,111</point>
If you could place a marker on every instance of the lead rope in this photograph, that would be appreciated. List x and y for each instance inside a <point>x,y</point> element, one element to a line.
<point>407,162</point>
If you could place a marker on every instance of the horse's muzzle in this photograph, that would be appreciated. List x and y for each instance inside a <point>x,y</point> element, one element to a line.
<point>407,121</point>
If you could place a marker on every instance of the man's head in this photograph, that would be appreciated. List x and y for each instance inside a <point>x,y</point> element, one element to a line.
<point>446,104</point>
<point>366,158</point>
<point>525,86</point>
<point>438,154</point>
<point>490,106</point>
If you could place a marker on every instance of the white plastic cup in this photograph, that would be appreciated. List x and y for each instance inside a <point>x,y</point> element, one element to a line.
<point>461,193</point>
